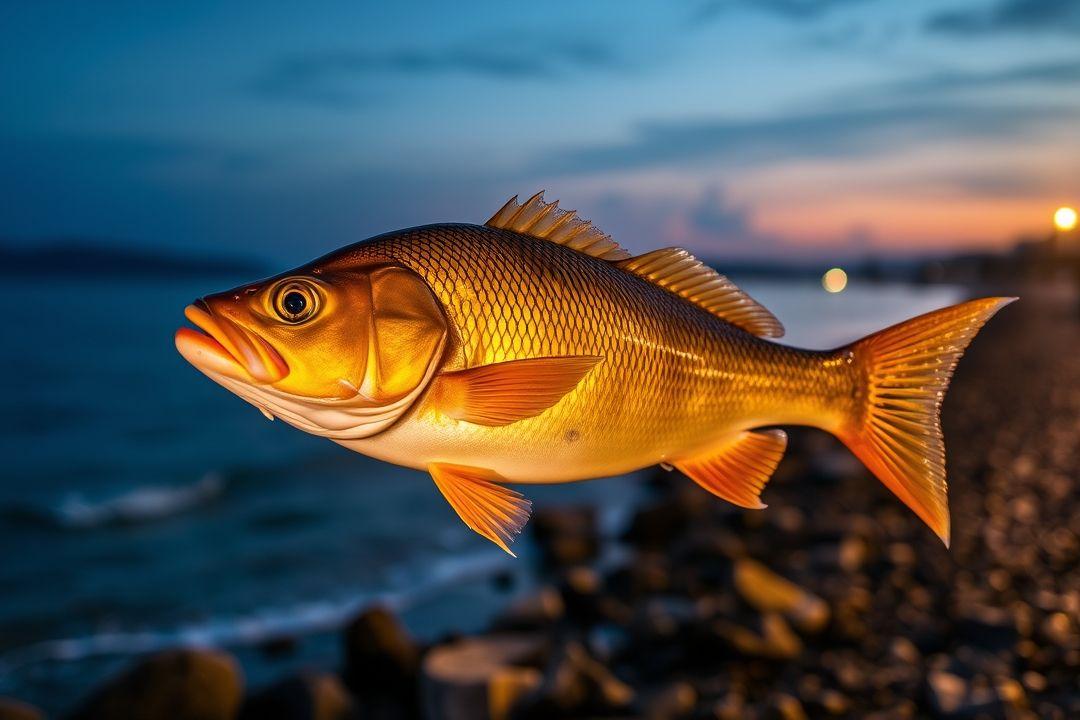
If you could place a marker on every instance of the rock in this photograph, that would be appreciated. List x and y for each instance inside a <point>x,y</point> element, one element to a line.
<point>833,702</point>
<point>574,683</point>
<point>175,684</point>
<point>730,707</point>
<point>11,709</point>
<point>769,637</point>
<point>989,628</point>
<point>302,697</point>
<point>580,588</point>
<point>768,592</point>
<point>537,611</point>
<point>566,536</point>
<point>786,707</point>
<point>382,662</point>
<point>951,696</point>
<point>656,526</point>
<point>480,677</point>
<point>670,702</point>
<point>904,650</point>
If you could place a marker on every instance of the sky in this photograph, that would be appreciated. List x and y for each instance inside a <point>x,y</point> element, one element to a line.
<point>735,128</point>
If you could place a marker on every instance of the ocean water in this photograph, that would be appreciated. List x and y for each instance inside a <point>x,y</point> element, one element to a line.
<point>142,506</point>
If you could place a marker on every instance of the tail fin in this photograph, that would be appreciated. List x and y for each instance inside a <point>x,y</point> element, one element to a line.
<point>897,432</point>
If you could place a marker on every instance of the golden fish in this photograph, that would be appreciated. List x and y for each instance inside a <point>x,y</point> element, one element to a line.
<point>533,349</point>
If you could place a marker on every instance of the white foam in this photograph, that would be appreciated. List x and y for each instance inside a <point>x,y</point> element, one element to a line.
<point>295,620</point>
<point>141,504</point>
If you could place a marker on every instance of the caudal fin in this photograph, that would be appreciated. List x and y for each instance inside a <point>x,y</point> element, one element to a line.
<point>897,430</point>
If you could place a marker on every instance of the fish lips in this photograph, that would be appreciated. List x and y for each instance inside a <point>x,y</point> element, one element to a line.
<point>226,348</point>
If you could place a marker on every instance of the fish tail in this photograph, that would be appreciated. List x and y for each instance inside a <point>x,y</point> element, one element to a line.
<point>895,427</point>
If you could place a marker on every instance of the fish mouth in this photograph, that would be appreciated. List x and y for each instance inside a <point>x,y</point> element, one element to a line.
<point>224,347</point>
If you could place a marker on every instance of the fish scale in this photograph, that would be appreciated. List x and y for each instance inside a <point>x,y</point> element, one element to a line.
<point>533,349</point>
<point>673,378</point>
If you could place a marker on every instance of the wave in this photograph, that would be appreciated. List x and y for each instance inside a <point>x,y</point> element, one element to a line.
<point>142,504</point>
<point>295,620</point>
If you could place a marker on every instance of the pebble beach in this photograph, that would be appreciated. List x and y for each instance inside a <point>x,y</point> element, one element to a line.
<point>833,602</point>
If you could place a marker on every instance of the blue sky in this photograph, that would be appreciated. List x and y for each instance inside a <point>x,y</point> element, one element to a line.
<point>740,127</point>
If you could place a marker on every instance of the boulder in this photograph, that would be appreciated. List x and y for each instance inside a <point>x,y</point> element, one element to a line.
<point>185,684</point>
<point>11,709</point>
<point>380,655</point>
<point>480,677</point>
<point>308,696</point>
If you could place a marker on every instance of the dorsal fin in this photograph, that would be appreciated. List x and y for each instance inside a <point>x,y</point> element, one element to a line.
<point>545,220</point>
<point>680,272</point>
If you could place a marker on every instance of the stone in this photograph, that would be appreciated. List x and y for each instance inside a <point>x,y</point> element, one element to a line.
<point>951,696</point>
<point>992,629</point>
<point>382,662</point>
<point>11,709</point>
<point>574,682</point>
<point>176,684</point>
<point>481,677</point>
<point>535,611</point>
<point>670,702</point>
<point>785,707</point>
<point>566,536</point>
<point>656,526</point>
<point>770,637</point>
<point>768,592</point>
<point>308,696</point>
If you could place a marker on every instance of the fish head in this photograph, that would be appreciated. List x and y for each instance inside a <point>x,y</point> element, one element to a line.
<point>340,352</point>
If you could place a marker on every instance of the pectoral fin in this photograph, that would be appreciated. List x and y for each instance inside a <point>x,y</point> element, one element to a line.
<point>738,469</point>
<point>502,393</point>
<point>493,510</point>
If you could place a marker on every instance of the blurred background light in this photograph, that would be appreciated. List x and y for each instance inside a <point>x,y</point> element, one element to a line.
<point>1065,219</point>
<point>834,280</point>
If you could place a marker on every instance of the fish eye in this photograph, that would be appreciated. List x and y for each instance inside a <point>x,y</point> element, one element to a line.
<point>296,301</point>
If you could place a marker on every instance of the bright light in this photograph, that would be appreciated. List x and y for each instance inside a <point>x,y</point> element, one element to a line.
<point>834,280</point>
<point>1065,219</point>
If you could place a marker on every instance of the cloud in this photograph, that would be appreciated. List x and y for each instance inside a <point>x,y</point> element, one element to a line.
<point>713,216</point>
<point>795,10</point>
<point>824,134</point>
<point>1009,16</point>
<point>334,77</point>
<point>951,82</point>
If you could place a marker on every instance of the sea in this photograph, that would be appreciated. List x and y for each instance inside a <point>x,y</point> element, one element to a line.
<point>143,507</point>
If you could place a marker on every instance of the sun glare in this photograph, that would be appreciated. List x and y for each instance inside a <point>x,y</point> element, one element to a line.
<point>834,280</point>
<point>1065,219</point>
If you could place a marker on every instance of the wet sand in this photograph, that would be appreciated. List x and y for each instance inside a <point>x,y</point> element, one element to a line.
<point>834,602</point>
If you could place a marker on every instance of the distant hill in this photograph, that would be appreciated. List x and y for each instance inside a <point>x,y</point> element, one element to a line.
<point>91,259</point>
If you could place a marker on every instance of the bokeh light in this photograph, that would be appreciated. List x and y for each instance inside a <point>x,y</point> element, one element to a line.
<point>834,280</point>
<point>1065,219</point>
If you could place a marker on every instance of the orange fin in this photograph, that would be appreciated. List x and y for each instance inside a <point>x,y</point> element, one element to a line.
<point>496,512</point>
<point>905,371</point>
<point>541,219</point>
<point>502,393</point>
<point>677,271</point>
<point>738,469</point>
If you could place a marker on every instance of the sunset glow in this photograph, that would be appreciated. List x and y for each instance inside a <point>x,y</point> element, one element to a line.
<point>1065,219</point>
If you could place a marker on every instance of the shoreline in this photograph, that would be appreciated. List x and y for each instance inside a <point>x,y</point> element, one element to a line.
<point>836,601</point>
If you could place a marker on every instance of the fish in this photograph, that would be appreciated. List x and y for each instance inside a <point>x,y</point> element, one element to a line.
<point>535,349</point>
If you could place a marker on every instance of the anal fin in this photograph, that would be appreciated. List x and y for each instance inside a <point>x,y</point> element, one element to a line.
<point>738,469</point>
<point>490,509</point>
